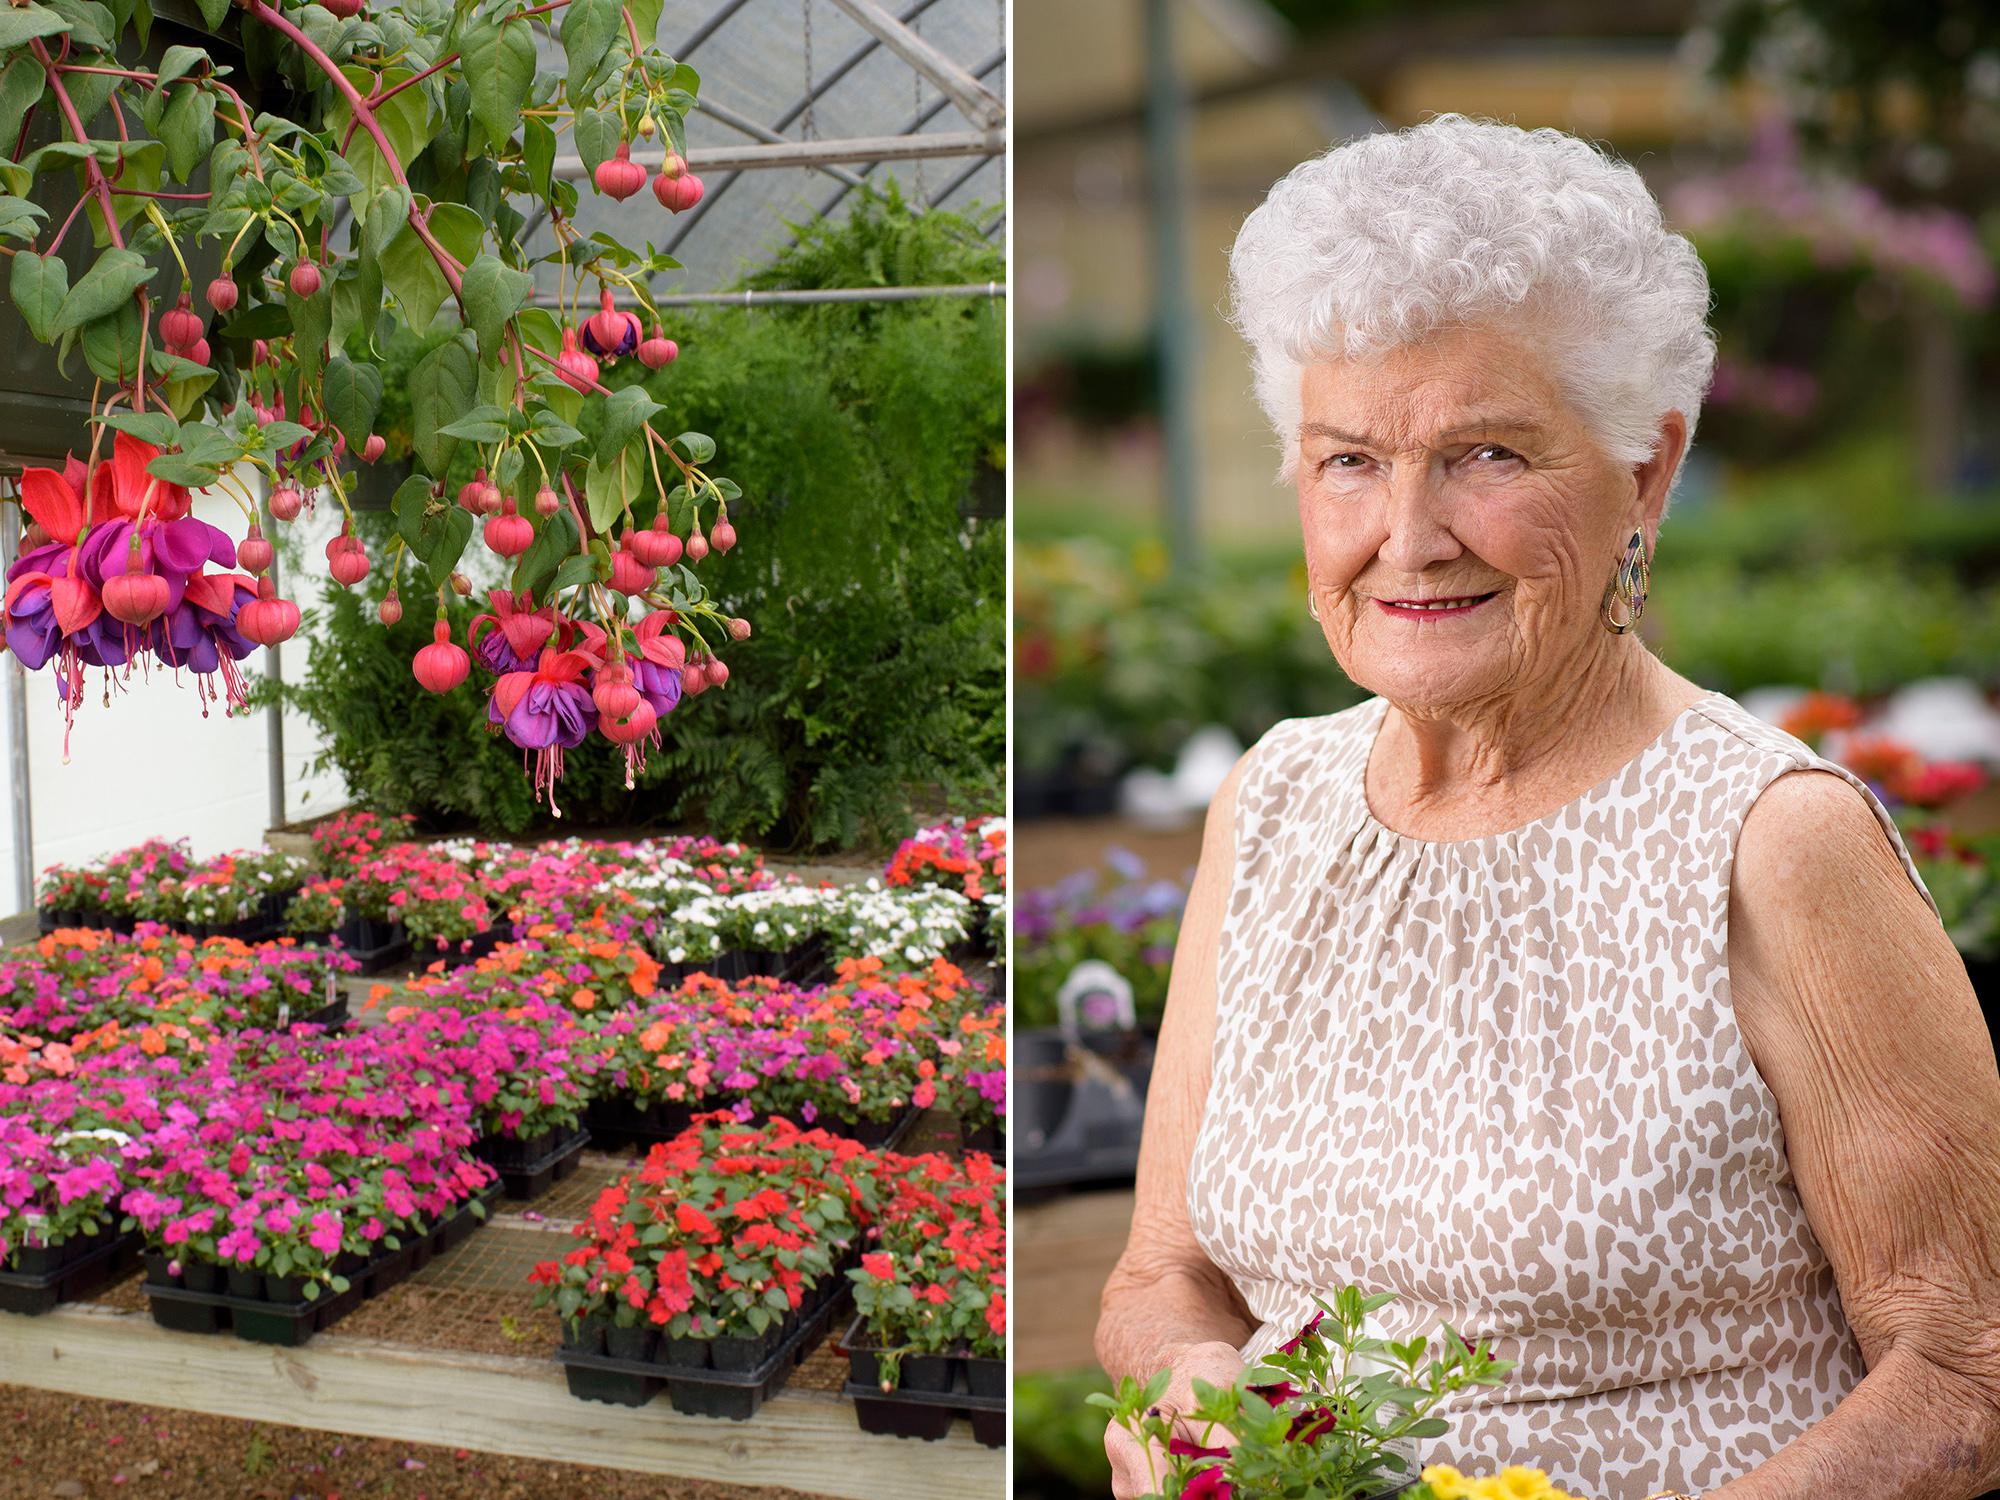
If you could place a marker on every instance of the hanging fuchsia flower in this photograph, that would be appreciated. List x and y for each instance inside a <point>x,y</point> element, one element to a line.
<point>657,672</point>
<point>546,712</point>
<point>514,633</point>
<point>102,529</point>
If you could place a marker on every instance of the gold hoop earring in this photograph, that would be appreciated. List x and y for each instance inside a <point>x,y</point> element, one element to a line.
<point>1629,584</point>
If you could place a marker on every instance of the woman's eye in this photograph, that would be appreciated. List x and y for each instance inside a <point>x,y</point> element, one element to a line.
<point>1335,462</point>
<point>1484,448</point>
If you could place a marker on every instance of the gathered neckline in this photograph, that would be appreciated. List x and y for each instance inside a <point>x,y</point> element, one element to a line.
<point>1372,728</point>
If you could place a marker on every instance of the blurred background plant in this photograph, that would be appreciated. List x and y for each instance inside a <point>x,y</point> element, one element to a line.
<point>1836,533</point>
<point>869,440</point>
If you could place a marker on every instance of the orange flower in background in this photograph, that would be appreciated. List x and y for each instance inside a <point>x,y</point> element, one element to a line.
<point>1878,758</point>
<point>1817,713</point>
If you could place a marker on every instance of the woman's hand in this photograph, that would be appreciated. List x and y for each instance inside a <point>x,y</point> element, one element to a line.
<point>1133,1472</point>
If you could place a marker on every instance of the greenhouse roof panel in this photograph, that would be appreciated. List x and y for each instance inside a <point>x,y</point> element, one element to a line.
<point>759,70</point>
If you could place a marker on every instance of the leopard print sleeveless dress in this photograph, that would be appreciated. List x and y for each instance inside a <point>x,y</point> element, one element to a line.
<point>1500,1078</point>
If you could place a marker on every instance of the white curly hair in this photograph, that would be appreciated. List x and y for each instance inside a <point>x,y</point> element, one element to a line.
<point>1460,220</point>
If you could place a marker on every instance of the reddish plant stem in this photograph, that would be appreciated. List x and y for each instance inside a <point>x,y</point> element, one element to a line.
<point>276,21</point>
<point>93,175</point>
<point>138,76</point>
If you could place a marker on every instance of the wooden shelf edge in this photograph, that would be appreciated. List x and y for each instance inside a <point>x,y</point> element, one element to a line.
<point>800,1440</point>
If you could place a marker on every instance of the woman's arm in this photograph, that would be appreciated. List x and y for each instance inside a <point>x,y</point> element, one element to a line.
<point>1857,1011</point>
<point>1165,1298</point>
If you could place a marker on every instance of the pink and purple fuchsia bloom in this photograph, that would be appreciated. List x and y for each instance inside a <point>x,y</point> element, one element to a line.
<point>68,597</point>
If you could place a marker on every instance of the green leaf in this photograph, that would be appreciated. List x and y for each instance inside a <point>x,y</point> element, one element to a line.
<point>178,468</point>
<point>551,431</point>
<point>154,427</point>
<point>21,84</point>
<point>105,288</point>
<point>483,424</point>
<point>499,64</point>
<point>626,412</point>
<point>441,387</point>
<point>184,392</point>
<point>554,542</point>
<point>215,12</point>
<point>588,29</point>
<point>597,137</point>
<point>610,484</point>
<point>575,569</point>
<point>188,129</point>
<point>387,217</point>
<point>444,535</point>
<point>39,283</point>
<point>312,321</point>
<point>405,120</point>
<point>492,293</point>
<point>352,393</point>
<point>412,496</point>
<point>266,320</point>
<point>411,275</point>
<point>276,435</point>
<point>538,149</point>
<point>19,219</point>
<point>178,62</point>
<point>136,165</point>
<point>20,26</point>
<point>90,24</point>
<point>700,447</point>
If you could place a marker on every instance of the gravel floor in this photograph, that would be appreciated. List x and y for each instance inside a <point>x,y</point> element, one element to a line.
<point>74,1449</point>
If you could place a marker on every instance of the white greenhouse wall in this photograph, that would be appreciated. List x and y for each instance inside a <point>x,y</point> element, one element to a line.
<point>151,765</point>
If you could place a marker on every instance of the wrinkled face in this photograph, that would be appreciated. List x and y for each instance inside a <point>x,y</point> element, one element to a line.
<point>1454,470</point>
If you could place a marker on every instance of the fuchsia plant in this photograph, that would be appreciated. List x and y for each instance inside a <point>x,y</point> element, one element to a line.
<point>423,126</point>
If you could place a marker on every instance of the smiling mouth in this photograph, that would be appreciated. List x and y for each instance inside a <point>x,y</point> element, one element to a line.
<point>1416,609</point>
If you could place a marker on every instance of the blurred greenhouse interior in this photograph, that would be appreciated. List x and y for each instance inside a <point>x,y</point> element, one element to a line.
<point>1837,529</point>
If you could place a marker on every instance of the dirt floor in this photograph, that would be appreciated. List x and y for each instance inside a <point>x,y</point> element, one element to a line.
<point>74,1449</point>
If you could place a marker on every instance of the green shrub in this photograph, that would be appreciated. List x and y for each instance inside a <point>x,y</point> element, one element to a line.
<point>877,667</point>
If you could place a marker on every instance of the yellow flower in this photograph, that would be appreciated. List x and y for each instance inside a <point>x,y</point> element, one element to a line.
<point>1446,1482</point>
<point>1518,1482</point>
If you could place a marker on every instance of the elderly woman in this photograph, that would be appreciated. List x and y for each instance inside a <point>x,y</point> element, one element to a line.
<point>1568,1002</point>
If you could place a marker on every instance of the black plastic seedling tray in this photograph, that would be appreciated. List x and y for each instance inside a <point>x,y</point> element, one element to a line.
<point>33,1293</point>
<point>526,1180</point>
<point>260,1320</point>
<point>935,1390</point>
<point>704,1390</point>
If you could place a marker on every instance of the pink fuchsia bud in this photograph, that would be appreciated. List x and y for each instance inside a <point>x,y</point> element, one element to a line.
<point>222,294</point>
<point>577,369</point>
<point>254,552</point>
<point>614,693</point>
<point>723,535</point>
<point>677,194</point>
<point>469,493</point>
<point>718,671</point>
<point>304,280</point>
<point>739,629</point>
<point>697,547</point>
<point>374,448</point>
<point>441,666</point>
<point>460,584</point>
<point>621,176</point>
<point>260,352</point>
<point>630,726</point>
<point>655,546</point>
<point>345,9</point>
<point>547,502</point>
<point>391,609</point>
<point>508,534</point>
<point>609,333</point>
<point>628,574</point>
<point>342,541</point>
<point>267,619</point>
<point>694,677</point>
<point>490,499</point>
<point>180,327</point>
<point>658,351</point>
<point>350,567</point>
<point>286,503</point>
<point>197,351</point>
<point>674,166</point>
<point>135,598</point>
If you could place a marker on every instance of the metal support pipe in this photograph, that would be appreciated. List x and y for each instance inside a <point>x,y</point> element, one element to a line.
<point>975,101</point>
<point>1166,122</point>
<point>822,294</point>
<point>274,724</point>
<point>819,153</point>
<point>21,800</point>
